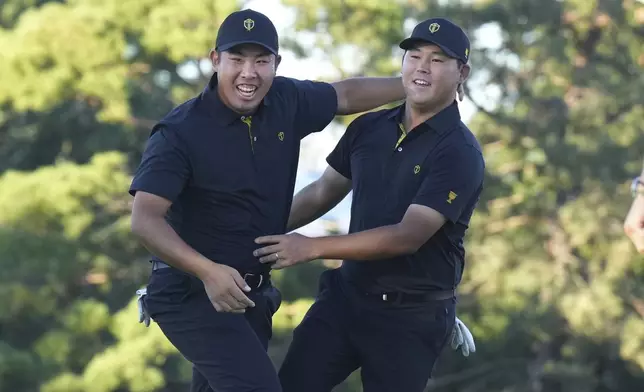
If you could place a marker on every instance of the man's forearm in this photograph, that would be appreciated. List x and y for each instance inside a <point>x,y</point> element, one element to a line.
<point>161,240</point>
<point>356,95</point>
<point>375,244</point>
<point>305,208</point>
<point>308,205</point>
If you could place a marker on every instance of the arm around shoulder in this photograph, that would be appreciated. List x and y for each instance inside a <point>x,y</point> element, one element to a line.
<point>356,95</point>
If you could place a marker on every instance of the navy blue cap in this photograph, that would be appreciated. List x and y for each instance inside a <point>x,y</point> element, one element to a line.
<point>443,33</point>
<point>247,27</point>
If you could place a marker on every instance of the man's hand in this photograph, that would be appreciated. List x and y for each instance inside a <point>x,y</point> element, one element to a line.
<point>287,250</point>
<point>224,287</point>
<point>634,223</point>
<point>462,337</point>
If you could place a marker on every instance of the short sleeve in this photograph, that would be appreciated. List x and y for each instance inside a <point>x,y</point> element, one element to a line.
<point>317,105</point>
<point>340,158</point>
<point>165,167</point>
<point>455,175</point>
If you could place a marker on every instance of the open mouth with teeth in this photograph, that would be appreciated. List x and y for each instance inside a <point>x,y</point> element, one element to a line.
<point>246,90</point>
<point>420,82</point>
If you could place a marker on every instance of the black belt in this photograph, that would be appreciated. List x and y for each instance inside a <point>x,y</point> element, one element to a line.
<point>399,297</point>
<point>254,280</point>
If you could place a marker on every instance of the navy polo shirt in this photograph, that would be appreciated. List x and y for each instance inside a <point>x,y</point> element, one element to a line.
<point>438,164</point>
<point>230,178</point>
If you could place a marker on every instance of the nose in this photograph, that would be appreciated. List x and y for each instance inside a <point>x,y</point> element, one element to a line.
<point>248,70</point>
<point>425,66</point>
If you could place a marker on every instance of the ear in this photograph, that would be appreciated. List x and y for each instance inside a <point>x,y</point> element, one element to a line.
<point>465,73</point>
<point>215,58</point>
<point>278,60</point>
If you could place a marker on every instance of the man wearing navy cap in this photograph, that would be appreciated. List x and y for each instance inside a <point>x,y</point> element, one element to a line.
<point>219,171</point>
<point>416,172</point>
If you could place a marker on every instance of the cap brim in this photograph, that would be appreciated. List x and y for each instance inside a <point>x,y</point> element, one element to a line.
<point>230,45</point>
<point>410,43</point>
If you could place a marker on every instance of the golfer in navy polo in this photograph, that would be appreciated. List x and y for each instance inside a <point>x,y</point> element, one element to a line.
<point>217,172</point>
<point>416,172</point>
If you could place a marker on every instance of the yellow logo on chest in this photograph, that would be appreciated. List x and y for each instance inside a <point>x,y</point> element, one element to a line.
<point>451,196</point>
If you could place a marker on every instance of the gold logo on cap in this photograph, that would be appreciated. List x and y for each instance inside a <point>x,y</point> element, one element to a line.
<point>280,136</point>
<point>434,27</point>
<point>467,52</point>
<point>249,24</point>
<point>416,169</point>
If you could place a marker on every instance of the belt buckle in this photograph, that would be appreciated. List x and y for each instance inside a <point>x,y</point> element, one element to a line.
<point>249,275</point>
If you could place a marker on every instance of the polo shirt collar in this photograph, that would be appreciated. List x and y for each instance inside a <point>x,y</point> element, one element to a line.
<point>217,108</point>
<point>443,121</point>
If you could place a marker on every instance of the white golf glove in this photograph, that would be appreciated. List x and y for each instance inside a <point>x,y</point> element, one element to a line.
<point>144,317</point>
<point>462,337</point>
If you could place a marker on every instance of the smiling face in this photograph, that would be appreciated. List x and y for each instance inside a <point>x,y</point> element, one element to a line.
<point>430,77</point>
<point>245,73</point>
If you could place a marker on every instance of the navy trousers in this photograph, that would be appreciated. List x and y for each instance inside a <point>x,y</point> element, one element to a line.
<point>228,351</point>
<point>395,345</point>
